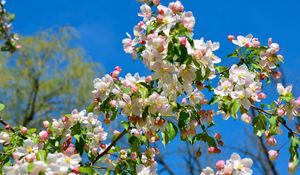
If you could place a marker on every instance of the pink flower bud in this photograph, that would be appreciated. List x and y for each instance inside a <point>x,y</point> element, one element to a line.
<point>160,18</point>
<point>19,46</point>
<point>194,124</point>
<point>200,85</point>
<point>270,41</point>
<point>273,155</point>
<point>255,43</point>
<point>247,45</point>
<point>262,75</point>
<point>118,68</point>
<point>116,132</point>
<point>161,11</point>
<point>220,164</point>
<point>156,2</point>
<point>95,151</point>
<point>217,136</point>
<point>183,41</point>
<point>102,146</point>
<point>142,42</point>
<point>262,95</point>
<point>176,7</point>
<point>30,158</point>
<point>231,38</point>
<point>46,124</point>
<point>15,156</point>
<point>113,103</point>
<point>134,155</point>
<point>292,167</point>
<point>277,74</point>
<point>246,118</point>
<point>211,150</point>
<point>184,101</point>
<point>115,74</point>
<point>24,130</point>
<point>7,127</point>
<point>220,142</point>
<point>148,79</point>
<point>134,88</point>
<point>280,112</point>
<point>75,170</point>
<point>64,119</point>
<point>217,150</point>
<point>5,137</point>
<point>43,136</point>
<point>271,141</point>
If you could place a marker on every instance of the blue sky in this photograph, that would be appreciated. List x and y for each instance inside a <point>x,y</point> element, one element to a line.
<point>102,26</point>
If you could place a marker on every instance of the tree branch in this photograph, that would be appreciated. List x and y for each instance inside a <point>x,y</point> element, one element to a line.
<point>110,146</point>
<point>12,129</point>
<point>284,124</point>
<point>165,165</point>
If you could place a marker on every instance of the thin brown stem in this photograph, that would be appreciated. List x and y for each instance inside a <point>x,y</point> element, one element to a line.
<point>12,129</point>
<point>283,123</point>
<point>113,143</point>
<point>161,161</point>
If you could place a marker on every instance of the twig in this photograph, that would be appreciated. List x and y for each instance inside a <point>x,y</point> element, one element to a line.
<point>165,165</point>
<point>12,129</point>
<point>284,124</point>
<point>100,168</point>
<point>110,146</point>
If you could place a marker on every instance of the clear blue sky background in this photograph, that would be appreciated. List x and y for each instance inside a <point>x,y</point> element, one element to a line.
<point>102,26</point>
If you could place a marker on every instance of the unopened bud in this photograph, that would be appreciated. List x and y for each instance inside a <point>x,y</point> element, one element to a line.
<point>280,112</point>
<point>220,164</point>
<point>273,155</point>
<point>183,41</point>
<point>46,124</point>
<point>24,130</point>
<point>277,74</point>
<point>43,136</point>
<point>217,136</point>
<point>231,38</point>
<point>271,141</point>
<point>211,150</point>
<point>262,95</point>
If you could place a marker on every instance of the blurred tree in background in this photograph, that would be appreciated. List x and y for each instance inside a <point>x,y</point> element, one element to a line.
<point>50,73</point>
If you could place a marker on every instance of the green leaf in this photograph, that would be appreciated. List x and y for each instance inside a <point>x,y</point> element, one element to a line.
<point>260,124</point>
<point>171,130</point>
<point>143,91</point>
<point>234,107</point>
<point>183,120</point>
<point>41,155</point>
<point>86,170</point>
<point>221,69</point>
<point>2,106</point>
<point>165,138</point>
<point>125,124</point>
<point>214,100</point>
<point>235,54</point>
<point>135,144</point>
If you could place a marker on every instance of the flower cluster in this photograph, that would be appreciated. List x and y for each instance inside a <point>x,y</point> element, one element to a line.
<point>234,166</point>
<point>10,40</point>
<point>241,85</point>
<point>286,104</point>
<point>34,157</point>
<point>165,45</point>
<point>267,57</point>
